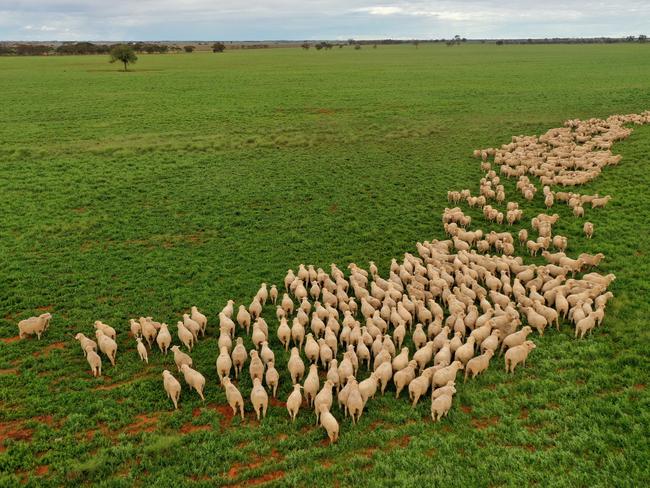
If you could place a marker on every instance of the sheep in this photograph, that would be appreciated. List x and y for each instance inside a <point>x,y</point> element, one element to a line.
<point>266,354</point>
<point>354,404</point>
<point>185,336</point>
<point>585,325</point>
<point>403,377</point>
<point>224,363</point>
<point>518,354</point>
<point>142,350</point>
<point>296,366</point>
<point>272,377</point>
<point>273,294</point>
<point>85,342</point>
<point>329,423</point>
<point>384,374</point>
<point>259,398</point>
<point>368,387</point>
<point>297,333</point>
<point>256,367</point>
<point>94,360</point>
<point>239,356</point>
<point>233,397</point>
<point>106,345</point>
<point>194,379</point>
<point>419,386</point>
<point>448,373</point>
<point>172,387</point>
<point>34,325</point>
<point>149,331</point>
<point>466,352</point>
<point>244,318</point>
<point>180,358</point>
<point>199,318</point>
<point>284,333</point>
<point>588,229</point>
<point>323,398</point>
<point>440,407</point>
<point>106,329</point>
<point>164,338</point>
<point>478,364</point>
<point>294,401</point>
<point>312,384</point>
<point>516,338</point>
<point>136,328</point>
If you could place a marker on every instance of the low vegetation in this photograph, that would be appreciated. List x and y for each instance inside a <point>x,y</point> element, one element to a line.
<point>234,169</point>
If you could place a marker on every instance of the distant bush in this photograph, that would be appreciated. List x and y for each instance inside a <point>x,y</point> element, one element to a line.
<point>357,46</point>
<point>124,54</point>
<point>218,47</point>
<point>189,49</point>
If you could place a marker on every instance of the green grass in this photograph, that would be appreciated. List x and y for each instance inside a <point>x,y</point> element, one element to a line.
<point>195,177</point>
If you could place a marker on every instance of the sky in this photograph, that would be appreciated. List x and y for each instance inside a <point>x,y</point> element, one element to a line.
<point>196,20</point>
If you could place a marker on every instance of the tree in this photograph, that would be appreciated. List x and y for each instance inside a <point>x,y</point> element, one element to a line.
<point>189,49</point>
<point>305,45</point>
<point>357,46</point>
<point>499,43</point>
<point>218,47</point>
<point>124,54</point>
<point>642,38</point>
<point>416,43</point>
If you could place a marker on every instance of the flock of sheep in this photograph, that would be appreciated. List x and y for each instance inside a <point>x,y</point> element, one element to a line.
<point>460,304</point>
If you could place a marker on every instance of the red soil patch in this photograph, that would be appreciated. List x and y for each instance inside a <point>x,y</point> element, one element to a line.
<point>639,386</point>
<point>79,210</point>
<point>529,448</point>
<point>189,428</point>
<point>400,441</point>
<point>196,412</point>
<point>45,308</point>
<point>523,413</point>
<point>274,402</point>
<point>267,478</point>
<point>326,463</point>
<point>42,470</point>
<point>368,452</point>
<point>46,350</point>
<point>14,430</point>
<point>143,423</point>
<point>9,371</point>
<point>466,408</point>
<point>225,412</point>
<point>112,386</point>
<point>485,422</point>
<point>9,340</point>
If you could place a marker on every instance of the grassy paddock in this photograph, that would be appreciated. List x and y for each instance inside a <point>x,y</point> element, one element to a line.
<point>193,178</point>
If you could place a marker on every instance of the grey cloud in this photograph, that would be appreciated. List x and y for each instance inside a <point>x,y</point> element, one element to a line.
<point>317,19</point>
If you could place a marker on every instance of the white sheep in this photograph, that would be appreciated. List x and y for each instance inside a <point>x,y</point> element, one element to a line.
<point>172,387</point>
<point>142,350</point>
<point>194,379</point>
<point>34,325</point>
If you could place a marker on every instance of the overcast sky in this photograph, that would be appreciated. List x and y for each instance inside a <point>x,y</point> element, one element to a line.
<point>317,19</point>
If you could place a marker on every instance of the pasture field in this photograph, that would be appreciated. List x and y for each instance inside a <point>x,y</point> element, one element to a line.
<point>193,178</point>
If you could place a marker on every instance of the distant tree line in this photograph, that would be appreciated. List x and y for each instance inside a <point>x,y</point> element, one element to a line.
<point>79,48</point>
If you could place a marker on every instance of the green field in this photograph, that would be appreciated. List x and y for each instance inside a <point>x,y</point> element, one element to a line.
<point>193,178</point>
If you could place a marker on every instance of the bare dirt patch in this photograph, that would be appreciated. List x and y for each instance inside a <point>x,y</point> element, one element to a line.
<point>484,423</point>
<point>9,371</point>
<point>9,340</point>
<point>14,430</point>
<point>42,470</point>
<point>403,441</point>
<point>466,408</point>
<point>143,423</point>
<point>266,478</point>
<point>523,413</point>
<point>46,350</point>
<point>639,386</point>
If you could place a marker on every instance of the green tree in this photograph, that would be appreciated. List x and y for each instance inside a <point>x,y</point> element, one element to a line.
<point>218,47</point>
<point>189,49</point>
<point>124,54</point>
